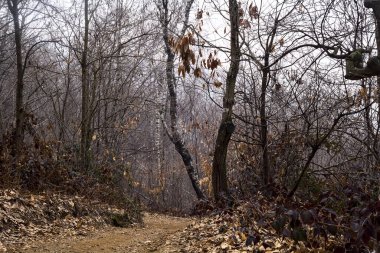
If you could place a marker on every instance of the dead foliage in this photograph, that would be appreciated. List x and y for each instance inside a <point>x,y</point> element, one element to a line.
<point>25,217</point>
<point>348,221</point>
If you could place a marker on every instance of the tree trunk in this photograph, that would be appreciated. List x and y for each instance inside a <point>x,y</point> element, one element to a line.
<point>170,81</point>
<point>227,127</point>
<point>265,69</point>
<point>264,128</point>
<point>19,110</point>
<point>176,137</point>
<point>86,122</point>
<point>62,123</point>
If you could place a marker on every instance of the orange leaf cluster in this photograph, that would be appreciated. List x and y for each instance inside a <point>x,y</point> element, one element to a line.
<point>181,47</point>
<point>211,63</point>
<point>252,12</point>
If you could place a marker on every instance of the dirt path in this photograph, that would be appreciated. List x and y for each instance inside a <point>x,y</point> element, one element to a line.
<point>149,238</point>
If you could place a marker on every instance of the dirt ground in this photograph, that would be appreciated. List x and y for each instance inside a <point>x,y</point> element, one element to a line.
<point>150,238</point>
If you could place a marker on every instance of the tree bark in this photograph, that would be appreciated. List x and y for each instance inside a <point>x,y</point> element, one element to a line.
<point>227,127</point>
<point>265,69</point>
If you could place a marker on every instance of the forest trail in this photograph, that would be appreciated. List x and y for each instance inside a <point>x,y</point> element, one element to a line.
<point>150,238</point>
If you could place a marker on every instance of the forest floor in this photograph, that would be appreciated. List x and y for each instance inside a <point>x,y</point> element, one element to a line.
<point>152,237</point>
<point>56,223</point>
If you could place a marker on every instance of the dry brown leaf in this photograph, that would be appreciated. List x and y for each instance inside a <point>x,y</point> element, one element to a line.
<point>199,14</point>
<point>218,84</point>
<point>182,70</point>
<point>197,72</point>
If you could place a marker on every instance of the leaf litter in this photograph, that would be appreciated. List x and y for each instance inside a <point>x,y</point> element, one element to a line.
<point>26,217</point>
<point>345,223</point>
<point>277,224</point>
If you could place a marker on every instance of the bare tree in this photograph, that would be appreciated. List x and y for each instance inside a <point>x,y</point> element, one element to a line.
<point>175,136</point>
<point>227,127</point>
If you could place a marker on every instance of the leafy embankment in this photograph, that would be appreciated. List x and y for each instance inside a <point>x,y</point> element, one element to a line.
<point>347,222</point>
<point>24,217</point>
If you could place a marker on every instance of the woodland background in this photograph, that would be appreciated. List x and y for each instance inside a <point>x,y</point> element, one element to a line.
<point>85,101</point>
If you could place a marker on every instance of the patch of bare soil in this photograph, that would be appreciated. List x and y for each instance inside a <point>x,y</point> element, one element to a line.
<point>152,237</point>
